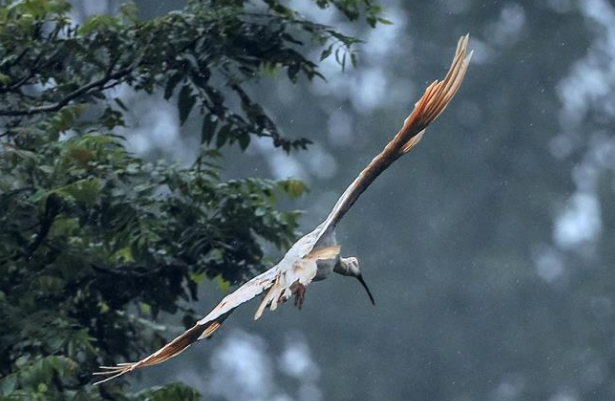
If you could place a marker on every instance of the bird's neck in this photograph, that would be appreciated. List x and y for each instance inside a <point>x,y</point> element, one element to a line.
<point>344,268</point>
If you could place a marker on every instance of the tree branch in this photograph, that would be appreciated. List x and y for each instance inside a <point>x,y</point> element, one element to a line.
<point>99,83</point>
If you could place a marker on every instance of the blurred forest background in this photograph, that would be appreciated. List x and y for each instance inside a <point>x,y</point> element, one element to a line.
<point>490,249</point>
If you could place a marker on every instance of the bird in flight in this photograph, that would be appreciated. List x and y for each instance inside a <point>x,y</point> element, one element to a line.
<point>316,255</point>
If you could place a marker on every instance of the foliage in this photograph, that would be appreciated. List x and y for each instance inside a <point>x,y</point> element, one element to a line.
<point>203,53</point>
<point>95,241</point>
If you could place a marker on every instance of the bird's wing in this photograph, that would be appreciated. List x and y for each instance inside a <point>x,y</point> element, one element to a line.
<point>301,272</point>
<point>433,102</point>
<point>204,328</point>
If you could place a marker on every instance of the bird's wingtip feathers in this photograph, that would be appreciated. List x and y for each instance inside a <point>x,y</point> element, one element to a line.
<point>174,348</point>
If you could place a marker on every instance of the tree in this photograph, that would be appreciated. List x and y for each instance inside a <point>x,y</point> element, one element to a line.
<point>95,240</point>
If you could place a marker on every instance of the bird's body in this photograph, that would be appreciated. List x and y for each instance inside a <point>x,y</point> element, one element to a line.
<point>305,244</point>
<point>316,255</point>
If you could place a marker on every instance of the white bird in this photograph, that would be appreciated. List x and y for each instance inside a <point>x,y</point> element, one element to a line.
<point>316,255</point>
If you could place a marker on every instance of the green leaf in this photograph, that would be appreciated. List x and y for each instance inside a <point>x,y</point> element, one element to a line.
<point>185,103</point>
<point>120,103</point>
<point>293,188</point>
<point>326,53</point>
<point>98,22</point>
<point>64,119</point>
<point>85,191</point>
<point>171,85</point>
<point>4,79</point>
<point>8,384</point>
<point>223,135</point>
<point>293,71</point>
<point>244,141</point>
<point>124,255</point>
<point>145,308</point>
<point>223,284</point>
<point>176,391</point>
<point>129,11</point>
<point>197,278</point>
<point>208,129</point>
<point>48,284</point>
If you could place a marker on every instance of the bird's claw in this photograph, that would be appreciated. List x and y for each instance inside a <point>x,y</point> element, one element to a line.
<point>299,295</point>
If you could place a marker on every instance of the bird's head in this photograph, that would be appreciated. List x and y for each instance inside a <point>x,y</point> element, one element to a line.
<point>350,267</point>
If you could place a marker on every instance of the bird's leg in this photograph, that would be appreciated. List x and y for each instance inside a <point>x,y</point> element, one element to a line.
<point>299,290</point>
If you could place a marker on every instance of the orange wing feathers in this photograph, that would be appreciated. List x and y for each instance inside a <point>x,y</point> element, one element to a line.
<point>433,102</point>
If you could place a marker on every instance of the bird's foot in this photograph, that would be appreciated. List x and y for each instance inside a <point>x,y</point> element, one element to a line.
<point>299,295</point>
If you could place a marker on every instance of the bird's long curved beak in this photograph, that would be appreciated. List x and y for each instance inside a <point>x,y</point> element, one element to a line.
<point>371,298</point>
